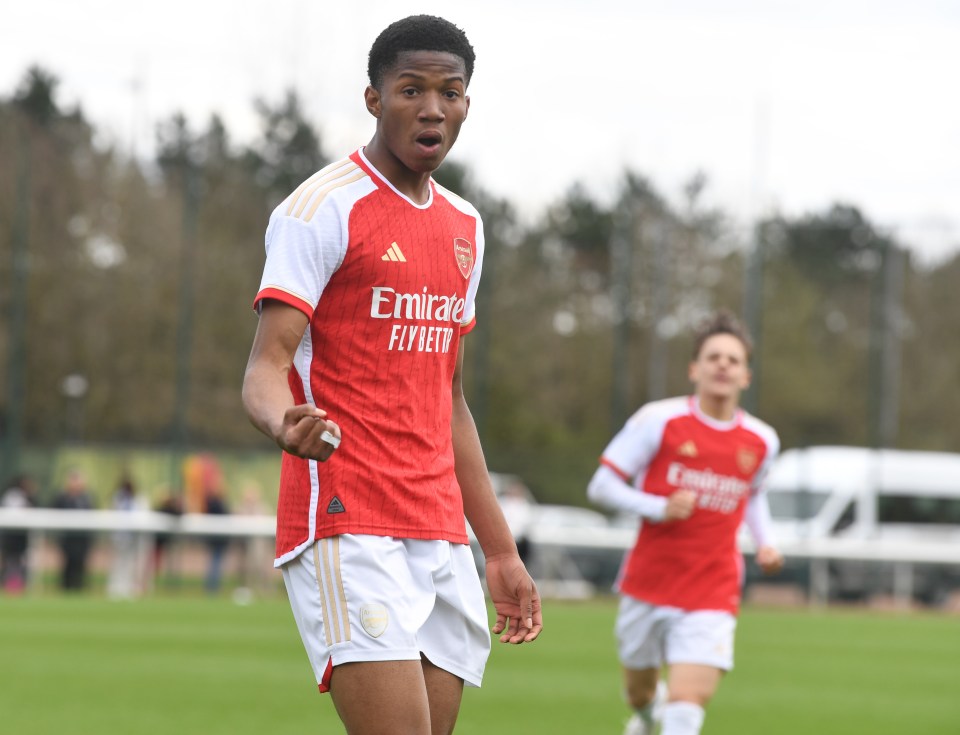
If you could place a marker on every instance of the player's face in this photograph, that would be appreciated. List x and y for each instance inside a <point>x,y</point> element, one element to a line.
<point>721,370</point>
<point>420,107</point>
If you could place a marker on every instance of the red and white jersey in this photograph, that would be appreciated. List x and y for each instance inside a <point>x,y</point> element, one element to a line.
<point>389,287</point>
<point>671,445</point>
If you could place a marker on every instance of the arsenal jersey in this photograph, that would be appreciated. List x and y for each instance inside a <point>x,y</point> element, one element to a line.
<point>670,445</point>
<point>388,286</point>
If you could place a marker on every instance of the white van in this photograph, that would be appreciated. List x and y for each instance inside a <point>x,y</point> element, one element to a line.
<point>879,495</point>
<point>853,492</point>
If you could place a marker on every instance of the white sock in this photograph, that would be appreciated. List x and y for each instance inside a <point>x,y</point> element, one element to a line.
<point>646,716</point>
<point>682,718</point>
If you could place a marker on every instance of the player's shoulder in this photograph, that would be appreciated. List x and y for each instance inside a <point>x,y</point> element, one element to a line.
<point>456,201</point>
<point>762,429</point>
<point>343,181</point>
<point>661,411</point>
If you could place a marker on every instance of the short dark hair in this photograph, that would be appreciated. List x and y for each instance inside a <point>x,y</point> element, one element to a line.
<point>721,322</point>
<point>417,33</point>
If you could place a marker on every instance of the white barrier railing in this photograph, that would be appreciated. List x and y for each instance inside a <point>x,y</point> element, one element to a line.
<point>820,551</point>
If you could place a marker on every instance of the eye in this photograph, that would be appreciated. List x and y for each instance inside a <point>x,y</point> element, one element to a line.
<point>452,94</point>
<point>409,91</point>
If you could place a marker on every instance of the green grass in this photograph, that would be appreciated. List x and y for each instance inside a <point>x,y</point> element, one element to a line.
<point>187,665</point>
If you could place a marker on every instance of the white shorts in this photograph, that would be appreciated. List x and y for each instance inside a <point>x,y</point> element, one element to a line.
<point>650,635</point>
<point>377,598</point>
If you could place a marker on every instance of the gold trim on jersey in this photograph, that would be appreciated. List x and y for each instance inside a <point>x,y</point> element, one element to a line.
<point>333,600</point>
<point>325,173</point>
<point>394,253</point>
<point>317,188</point>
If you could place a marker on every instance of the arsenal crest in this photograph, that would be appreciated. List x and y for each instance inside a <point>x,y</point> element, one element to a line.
<point>747,460</point>
<point>463,251</point>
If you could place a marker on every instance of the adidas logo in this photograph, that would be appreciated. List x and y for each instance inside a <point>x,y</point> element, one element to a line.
<point>335,506</point>
<point>393,253</point>
<point>688,449</point>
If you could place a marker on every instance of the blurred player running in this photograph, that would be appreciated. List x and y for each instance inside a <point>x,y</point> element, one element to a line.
<point>355,371</point>
<point>692,468</point>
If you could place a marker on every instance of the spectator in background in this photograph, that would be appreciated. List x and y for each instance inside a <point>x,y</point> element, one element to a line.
<point>124,580</point>
<point>172,505</point>
<point>216,504</point>
<point>19,493</point>
<point>74,545</point>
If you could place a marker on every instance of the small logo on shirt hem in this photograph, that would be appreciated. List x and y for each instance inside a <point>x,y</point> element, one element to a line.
<point>336,506</point>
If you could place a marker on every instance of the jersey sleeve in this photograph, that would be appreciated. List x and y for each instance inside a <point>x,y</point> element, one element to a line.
<point>772,442</point>
<point>469,320</point>
<point>301,258</point>
<point>632,449</point>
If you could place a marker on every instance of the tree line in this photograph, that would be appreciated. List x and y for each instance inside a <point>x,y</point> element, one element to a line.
<point>126,292</point>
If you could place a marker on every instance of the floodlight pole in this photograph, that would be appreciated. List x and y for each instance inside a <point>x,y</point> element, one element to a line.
<point>621,268</point>
<point>753,315</point>
<point>191,206</point>
<point>16,344</point>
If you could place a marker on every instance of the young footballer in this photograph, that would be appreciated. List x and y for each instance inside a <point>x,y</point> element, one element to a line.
<point>692,467</point>
<point>355,371</point>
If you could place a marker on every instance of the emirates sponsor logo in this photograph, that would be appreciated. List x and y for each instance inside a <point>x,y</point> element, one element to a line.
<point>424,306</point>
<point>717,492</point>
<point>387,303</point>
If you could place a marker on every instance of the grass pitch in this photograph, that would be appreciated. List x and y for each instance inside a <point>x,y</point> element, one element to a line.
<point>185,665</point>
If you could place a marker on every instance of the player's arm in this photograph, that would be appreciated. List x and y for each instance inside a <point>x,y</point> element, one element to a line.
<point>512,591</point>
<point>608,489</point>
<point>301,430</point>
<point>757,518</point>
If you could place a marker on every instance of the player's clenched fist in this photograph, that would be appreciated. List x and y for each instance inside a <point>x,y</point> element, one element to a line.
<point>769,559</point>
<point>680,505</point>
<point>306,432</point>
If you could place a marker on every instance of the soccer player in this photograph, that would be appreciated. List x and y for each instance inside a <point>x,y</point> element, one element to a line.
<point>355,371</point>
<point>692,468</point>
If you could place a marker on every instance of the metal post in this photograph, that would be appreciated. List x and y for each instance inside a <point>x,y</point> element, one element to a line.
<point>657,365</point>
<point>16,345</point>
<point>621,247</point>
<point>753,316</point>
<point>890,368</point>
<point>191,197</point>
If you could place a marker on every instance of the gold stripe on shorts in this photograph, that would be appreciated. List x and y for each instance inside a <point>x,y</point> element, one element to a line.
<point>332,596</point>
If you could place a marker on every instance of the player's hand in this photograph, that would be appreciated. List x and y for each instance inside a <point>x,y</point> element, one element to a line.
<point>680,505</point>
<point>769,559</point>
<point>515,599</point>
<point>307,432</point>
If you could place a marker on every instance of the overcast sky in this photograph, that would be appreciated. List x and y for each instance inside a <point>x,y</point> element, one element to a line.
<point>785,106</point>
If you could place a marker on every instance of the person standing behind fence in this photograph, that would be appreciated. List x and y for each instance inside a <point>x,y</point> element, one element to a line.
<point>217,544</point>
<point>20,493</point>
<point>692,467</point>
<point>124,580</point>
<point>74,545</point>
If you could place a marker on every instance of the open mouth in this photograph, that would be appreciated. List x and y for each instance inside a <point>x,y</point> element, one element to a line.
<point>429,140</point>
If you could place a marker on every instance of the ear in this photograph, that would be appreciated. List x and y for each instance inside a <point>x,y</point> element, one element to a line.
<point>467,98</point>
<point>692,372</point>
<point>747,379</point>
<point>371,98</point>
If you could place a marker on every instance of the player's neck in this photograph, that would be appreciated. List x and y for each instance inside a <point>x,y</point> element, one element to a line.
<point>721,408</point>
<point>414,185</point>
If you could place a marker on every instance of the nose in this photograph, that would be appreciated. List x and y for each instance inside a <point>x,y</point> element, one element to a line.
<point>432,108</point>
